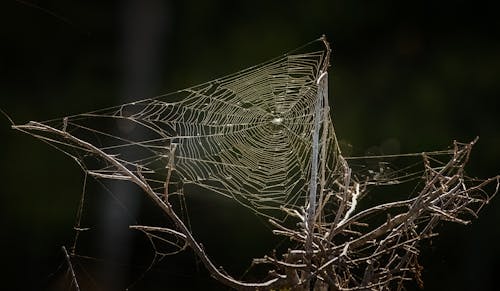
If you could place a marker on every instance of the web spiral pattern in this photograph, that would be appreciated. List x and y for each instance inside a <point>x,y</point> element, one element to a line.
<point>246,136</point>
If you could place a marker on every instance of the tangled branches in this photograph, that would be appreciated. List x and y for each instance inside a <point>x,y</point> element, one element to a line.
<point>352,253</point>
<point>349,250</point>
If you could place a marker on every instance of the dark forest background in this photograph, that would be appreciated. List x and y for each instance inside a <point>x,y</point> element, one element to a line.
<point>418,74</point>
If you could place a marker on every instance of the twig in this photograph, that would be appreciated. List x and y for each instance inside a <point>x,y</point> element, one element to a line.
<point>70,266</point>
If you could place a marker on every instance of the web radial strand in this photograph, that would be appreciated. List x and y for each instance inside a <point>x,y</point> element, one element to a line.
<point>247,136</point>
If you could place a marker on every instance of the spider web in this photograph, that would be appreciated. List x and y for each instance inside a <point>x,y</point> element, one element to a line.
<point>247,136</point>
<point>262,137</point>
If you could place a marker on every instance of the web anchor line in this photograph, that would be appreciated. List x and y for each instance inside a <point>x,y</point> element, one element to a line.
<point>318,119</point>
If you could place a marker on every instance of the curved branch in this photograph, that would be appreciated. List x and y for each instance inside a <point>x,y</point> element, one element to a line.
<point>165,206</point>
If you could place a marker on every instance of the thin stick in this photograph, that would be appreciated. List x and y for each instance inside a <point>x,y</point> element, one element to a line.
<point>79,214</point>
<point>72,271</point>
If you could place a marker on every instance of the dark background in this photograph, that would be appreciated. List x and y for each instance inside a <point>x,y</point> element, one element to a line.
<point>421,73</point>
